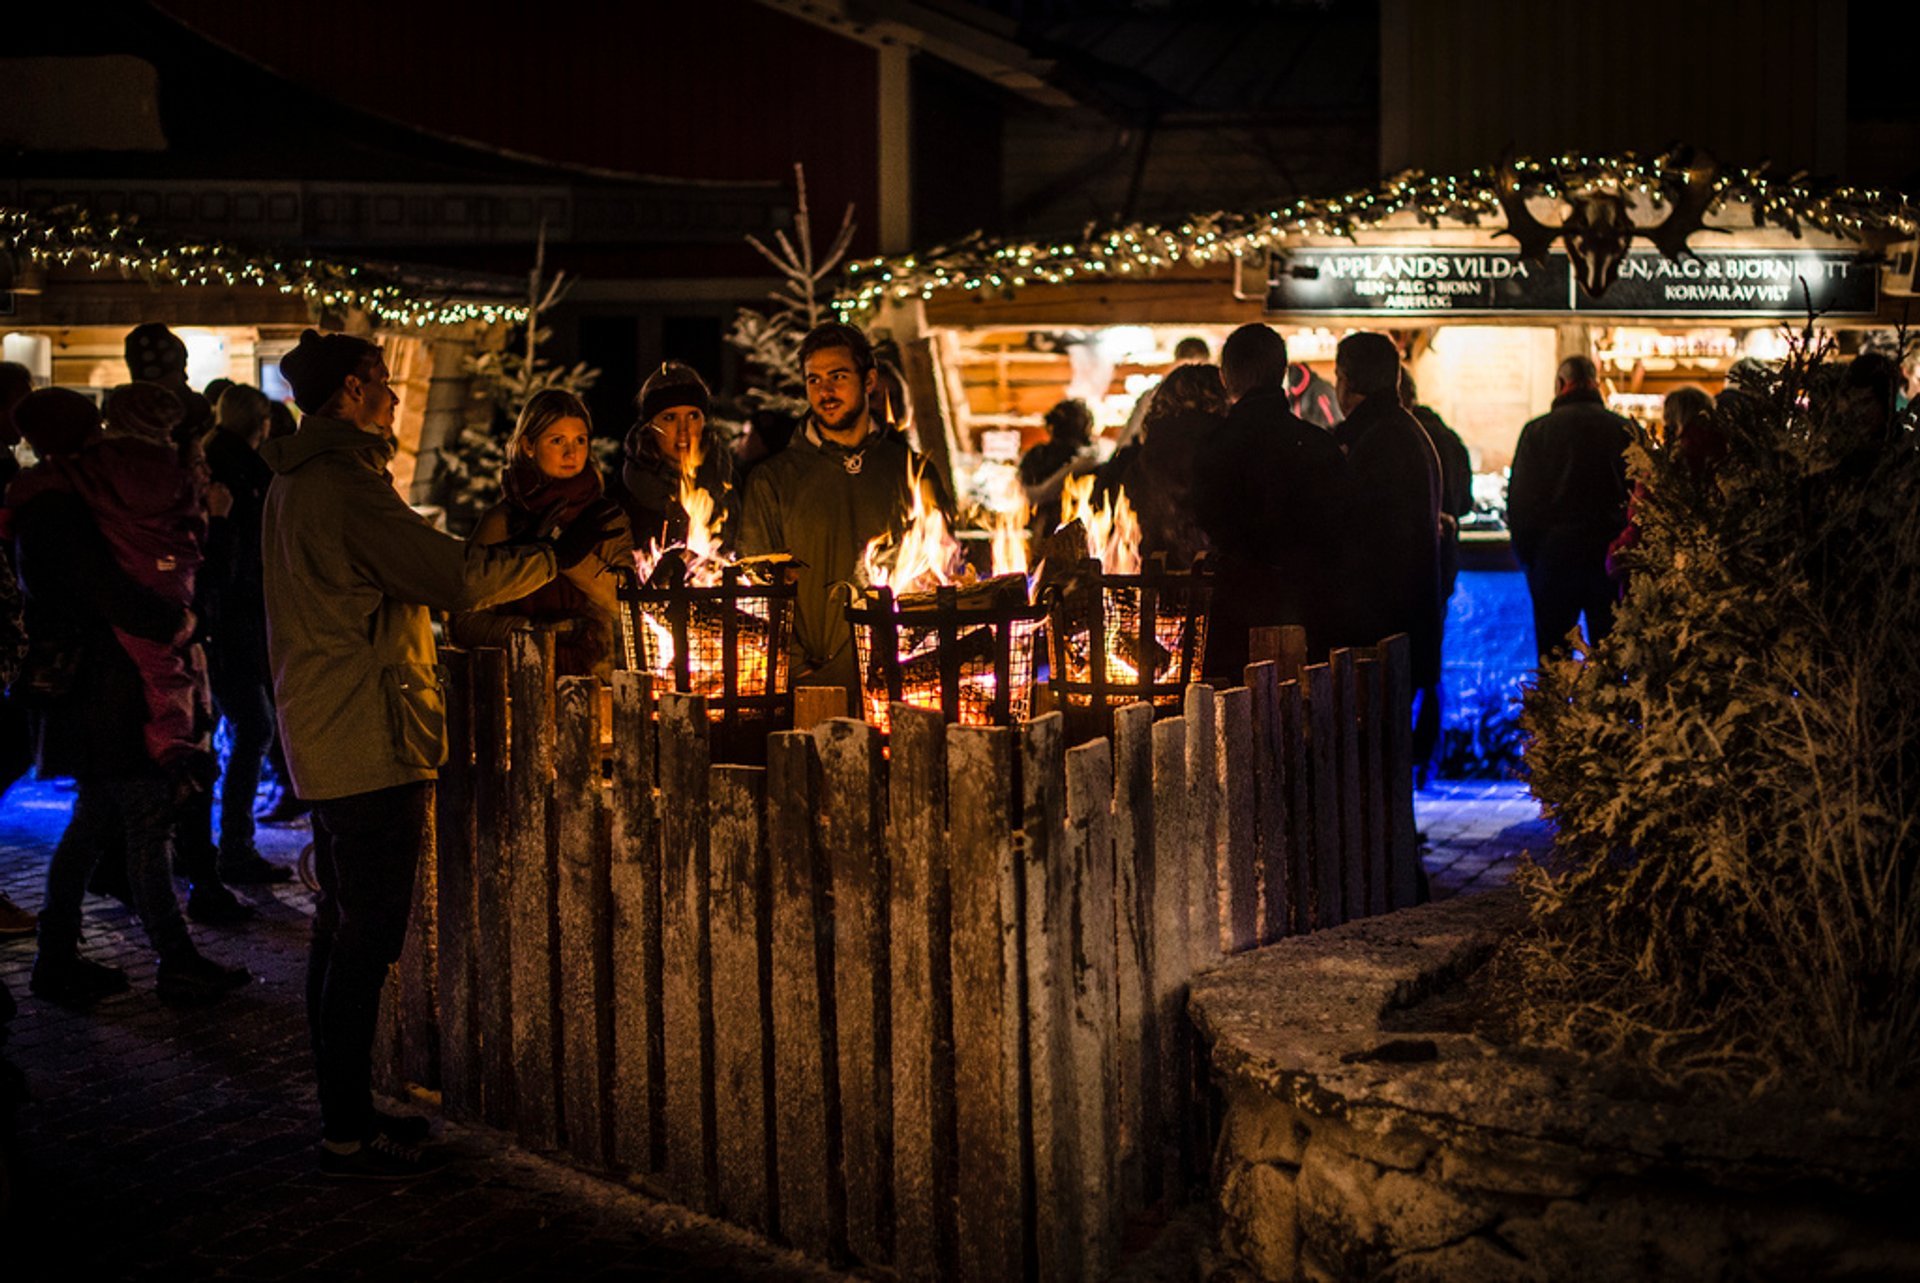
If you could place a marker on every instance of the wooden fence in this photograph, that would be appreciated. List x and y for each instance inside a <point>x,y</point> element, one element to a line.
<point>921,1008</point>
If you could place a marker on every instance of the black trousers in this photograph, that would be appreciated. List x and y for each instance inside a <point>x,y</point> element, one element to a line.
<point>1567,578</point>
<point>366,850</point>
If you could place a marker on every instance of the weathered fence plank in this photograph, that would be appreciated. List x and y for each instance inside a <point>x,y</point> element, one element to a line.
<point>586,925</point>
<point>1049,910</point>
<point>453,826</point>
<point>1086,877</point>
<point>531,877</point>
<point>492,882</point>
<point>1403,855</point>
<point>1302,836</point>
<point>920,922</point>
<point>994,1237</point>
<point>1204,878</point>
<point>686,991</point>
<point>1323,753</point>
<point>806,1074</point>
<point>1239,858</point>
<point>742,997</point>
<point>1171,919</point>
<point>813,705</point>
<point>639,1082</point>
<point>853,823</point>
<point>1133,878</point>
<point>1269,802</point>
<point>1352,789</point>
<point>1376,793</point>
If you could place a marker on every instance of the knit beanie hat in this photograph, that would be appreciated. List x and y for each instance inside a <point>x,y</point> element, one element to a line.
<point>144,410</point>
<point>320,364</point>
<point>673,384</point>
<point>155,352</point>
<point>57,421</point>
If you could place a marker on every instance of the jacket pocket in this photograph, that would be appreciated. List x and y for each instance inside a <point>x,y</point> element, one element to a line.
<point>416,714</point>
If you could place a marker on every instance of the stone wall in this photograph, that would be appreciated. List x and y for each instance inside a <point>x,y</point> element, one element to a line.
<point>1350,1152</point>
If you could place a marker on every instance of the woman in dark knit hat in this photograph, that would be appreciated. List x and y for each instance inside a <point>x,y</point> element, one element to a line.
<point>550,479</point>
<point>672,441</point>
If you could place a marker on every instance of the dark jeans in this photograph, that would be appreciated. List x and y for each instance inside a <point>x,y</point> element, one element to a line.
<point>106,812</point>
<point>366,848</point>
<point>248,709</point>
<point>1567,578</point>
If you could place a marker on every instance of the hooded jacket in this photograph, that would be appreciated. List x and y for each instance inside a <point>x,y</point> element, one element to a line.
<point>350,573</point>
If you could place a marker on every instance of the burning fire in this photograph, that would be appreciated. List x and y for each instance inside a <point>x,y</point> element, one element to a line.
<point>924,557</point>
<point>1113,532</point>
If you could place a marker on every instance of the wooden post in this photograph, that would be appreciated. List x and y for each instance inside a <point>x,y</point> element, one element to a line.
<point>1293,652</point>
<point>1376,788</point>
<point>813,705</point>
<point>1048,903</point>
<point>1239,860</point>
<point>1084,884</point>
<point>1323,744</point>
<point>454,826</point>
<point>812,1197</point>
<point>1134,896</point>
<point>1270,836</point>
<point>531,877</point>
<point>1263,645</point>
<point>1403,850</point>
<point>686,991</point>
<point>639,1080</point>
<point>743,997</point>
<point>852,820</point>
<point>418,994</point>
<point>492,886</point>
<point>1352,787</point>
<point>1302,836</point>
<point>994,1235</point>
<point>1203,831</point>
<point>586,924</point>
<point>1171,924</point>
<point>920,921</point>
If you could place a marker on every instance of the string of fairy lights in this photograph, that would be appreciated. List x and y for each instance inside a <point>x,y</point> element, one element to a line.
<point>70,236</point>
<point>978,263</point>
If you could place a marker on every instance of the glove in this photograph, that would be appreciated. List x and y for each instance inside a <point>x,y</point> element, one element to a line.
<point>586,532</point>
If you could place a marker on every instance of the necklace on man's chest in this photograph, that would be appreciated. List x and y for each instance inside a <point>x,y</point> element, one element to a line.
<point>853,463</point>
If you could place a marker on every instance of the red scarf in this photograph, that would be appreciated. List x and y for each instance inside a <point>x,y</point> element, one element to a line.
<point>531,492</point>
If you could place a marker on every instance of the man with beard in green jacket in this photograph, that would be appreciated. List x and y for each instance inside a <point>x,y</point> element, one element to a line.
<point>840,484</point>
<point>351,573</point>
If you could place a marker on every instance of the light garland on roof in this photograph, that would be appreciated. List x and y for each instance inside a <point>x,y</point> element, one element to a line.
<point>69,235</point>
<point>977,263</point>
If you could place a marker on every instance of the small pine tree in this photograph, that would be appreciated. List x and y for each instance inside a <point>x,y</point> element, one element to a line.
<point>770,340</point>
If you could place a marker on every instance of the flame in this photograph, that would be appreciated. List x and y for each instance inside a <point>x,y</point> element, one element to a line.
<point>1008,532</point>
<point>1113,531</point>
<point>924,557</point>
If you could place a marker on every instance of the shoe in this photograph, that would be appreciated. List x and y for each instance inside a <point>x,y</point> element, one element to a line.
<point>69,980</point>
<point>409,1130</point>
<point>211,904</point>
<point>14,920</point>
<point>247,867</point>
<point>378,1158</point>
<point>188,978</point>
<point>284,809</point>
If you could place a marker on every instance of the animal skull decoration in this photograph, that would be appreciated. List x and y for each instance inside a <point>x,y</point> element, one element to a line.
<point>1598,229</point>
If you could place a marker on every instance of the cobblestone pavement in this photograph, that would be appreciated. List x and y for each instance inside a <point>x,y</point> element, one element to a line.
<point>1476,831</point>
<point>166,1144</point>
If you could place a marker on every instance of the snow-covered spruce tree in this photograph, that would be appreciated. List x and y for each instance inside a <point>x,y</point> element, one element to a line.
<point>770,340</point>
<point>1735,772</point>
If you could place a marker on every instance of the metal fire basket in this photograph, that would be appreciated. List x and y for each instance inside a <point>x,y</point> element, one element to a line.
<point>728,641</point>
<point>1121,639</point>
<point>967,652</point>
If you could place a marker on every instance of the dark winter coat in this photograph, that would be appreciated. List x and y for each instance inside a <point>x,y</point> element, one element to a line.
<point>232,600</point>
<point>1569,481</point>
<point>90,726</point>
<point>1393,582</point>
<point>1160,486</point>
<point>648,490</point>
<point>804,501</point>
<point>1456,489</point>
<point>1271,494</point>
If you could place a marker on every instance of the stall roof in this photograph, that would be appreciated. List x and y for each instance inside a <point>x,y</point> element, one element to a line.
<point>982,266</point>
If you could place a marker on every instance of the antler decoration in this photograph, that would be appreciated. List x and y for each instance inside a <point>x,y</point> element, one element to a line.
<point>1535,237</point>
<point>1599,229</point>
<point>1690,200</point>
